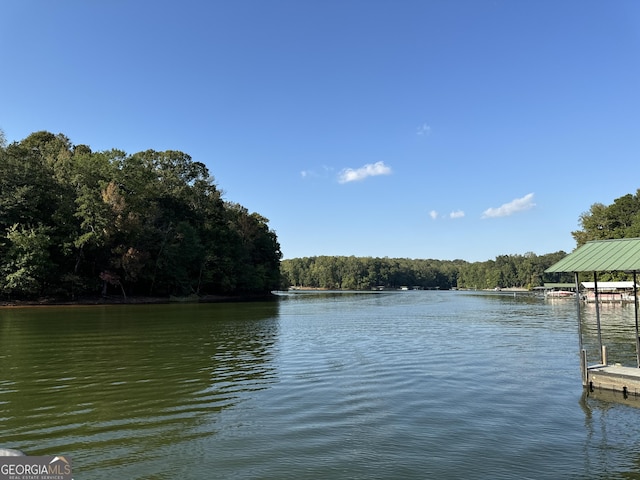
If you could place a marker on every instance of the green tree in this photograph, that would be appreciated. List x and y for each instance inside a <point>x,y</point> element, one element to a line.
<point>27,262</point>
<point>618,220</point>
<point>257,252</point>
<point>77,221</point>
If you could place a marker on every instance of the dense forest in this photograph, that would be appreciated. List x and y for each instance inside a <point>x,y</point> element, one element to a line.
<point>525,271</point>
<point>74,222</point>
<point>357,273</point>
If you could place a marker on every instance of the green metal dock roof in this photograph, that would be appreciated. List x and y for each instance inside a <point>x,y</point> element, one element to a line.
<point>602,256</point>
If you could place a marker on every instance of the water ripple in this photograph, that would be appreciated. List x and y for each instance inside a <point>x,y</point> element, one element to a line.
<point>415,385</point>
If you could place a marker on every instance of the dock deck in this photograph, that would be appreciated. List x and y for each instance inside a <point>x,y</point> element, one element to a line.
<point>614,377</point>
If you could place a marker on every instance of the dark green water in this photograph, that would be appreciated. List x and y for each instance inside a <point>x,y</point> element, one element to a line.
<point>391,385</point>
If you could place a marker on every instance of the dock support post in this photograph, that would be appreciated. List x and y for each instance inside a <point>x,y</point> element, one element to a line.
<point>635,303</point>
<point>578,310</point>
<point>583,367</point>
<point>595,289</point>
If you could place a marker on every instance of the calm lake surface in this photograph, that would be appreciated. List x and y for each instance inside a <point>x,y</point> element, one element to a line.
<point>355,386</point>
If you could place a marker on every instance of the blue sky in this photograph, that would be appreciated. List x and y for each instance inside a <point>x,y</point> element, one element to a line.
<point>420,129</point>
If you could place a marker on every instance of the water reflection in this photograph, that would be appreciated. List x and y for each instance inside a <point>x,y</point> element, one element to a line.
<point>120,379</point>
<point>611,434</point>
<point>617,330</point>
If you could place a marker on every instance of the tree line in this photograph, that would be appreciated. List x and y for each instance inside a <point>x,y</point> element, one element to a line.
<point>621,219</point>
<point>365,273</point>
<point>75,222</point>
<point>506,271</point>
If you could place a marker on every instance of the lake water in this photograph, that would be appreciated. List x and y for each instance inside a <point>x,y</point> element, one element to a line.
<point>354,386</point>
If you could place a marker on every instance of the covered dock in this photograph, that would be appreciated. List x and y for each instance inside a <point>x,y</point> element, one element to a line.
<point>558,290</point>
<point>609,292</point>
<point>620,255</point>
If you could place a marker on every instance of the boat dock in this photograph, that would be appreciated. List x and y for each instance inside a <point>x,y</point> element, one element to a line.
<point>620,255</point>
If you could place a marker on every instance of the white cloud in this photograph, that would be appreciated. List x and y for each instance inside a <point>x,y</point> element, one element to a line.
<point>514,206</point>
<point>455,214</point>
<point>423,130</point>
<point>326,171</point>
<point>369,170</point>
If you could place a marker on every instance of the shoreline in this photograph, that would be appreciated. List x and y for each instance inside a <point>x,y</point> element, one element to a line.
<point>135,300</point>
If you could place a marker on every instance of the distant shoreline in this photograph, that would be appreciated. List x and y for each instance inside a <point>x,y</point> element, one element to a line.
<point>134,300</point>
<point>150,300</point>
